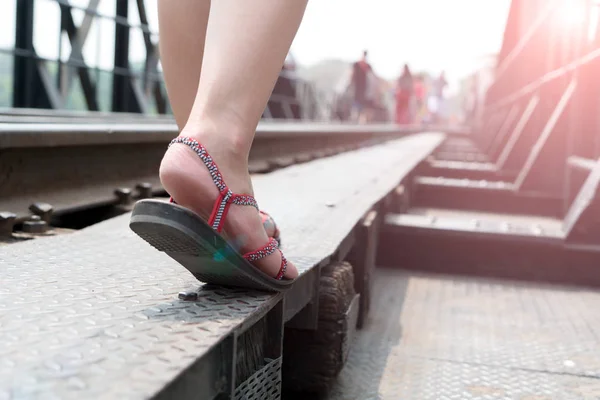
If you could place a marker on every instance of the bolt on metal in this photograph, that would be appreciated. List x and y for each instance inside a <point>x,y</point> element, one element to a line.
<point>144,190</point>
<point>43,210</point>
<point>35,224</point>
<point>124,196</point>
<point>7,222</point>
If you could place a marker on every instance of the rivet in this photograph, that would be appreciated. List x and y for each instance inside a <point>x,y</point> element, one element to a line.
<point>123,195</point>
<point>144,190</point>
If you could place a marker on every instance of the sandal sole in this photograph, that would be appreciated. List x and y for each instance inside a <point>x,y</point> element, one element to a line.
<point>194,244</point>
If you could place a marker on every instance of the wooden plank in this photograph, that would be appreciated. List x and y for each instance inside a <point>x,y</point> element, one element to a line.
<point>529,162</point>
<point>501,226</point>
<point>452,169</point>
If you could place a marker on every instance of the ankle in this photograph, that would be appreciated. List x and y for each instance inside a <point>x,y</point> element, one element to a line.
<point>228,146</point>
<point>181,169</point>
<point>225,131</point>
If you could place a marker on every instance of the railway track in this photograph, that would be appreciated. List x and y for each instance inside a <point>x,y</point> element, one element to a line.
<point>61,171</point>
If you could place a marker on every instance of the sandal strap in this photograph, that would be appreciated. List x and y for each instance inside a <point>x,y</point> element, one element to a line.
<point>241,200</point>
<point>226,196</point>
<point>265,251</point>
<point>244,200</point>
<point>283,267</point>
<point>206,159</point>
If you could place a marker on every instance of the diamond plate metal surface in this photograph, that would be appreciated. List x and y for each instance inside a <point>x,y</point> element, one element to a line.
<point>82,310</point>
<point>95,314</point>
<point>478,222</point>
<point>432,337</point>
<point>265,384</point>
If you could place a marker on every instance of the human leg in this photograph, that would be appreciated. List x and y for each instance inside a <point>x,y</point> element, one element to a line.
<point>246,44</point>
<point>182,26</point>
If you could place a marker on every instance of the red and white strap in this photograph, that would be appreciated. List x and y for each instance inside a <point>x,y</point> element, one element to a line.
<point>226,196</point>
<point>265,251</point>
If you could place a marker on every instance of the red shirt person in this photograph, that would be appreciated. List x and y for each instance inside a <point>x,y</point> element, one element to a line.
<point>404,93</point>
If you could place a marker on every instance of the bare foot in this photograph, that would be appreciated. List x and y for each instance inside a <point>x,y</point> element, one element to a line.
<point>185,177</point>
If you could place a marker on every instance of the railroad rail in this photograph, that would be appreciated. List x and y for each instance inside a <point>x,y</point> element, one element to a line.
<point>54,165</point>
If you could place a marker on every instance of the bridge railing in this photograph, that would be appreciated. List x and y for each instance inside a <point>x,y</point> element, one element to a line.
<point>558,49</point>
<point>76,63</point>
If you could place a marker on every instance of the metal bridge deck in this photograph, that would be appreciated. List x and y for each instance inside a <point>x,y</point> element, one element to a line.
<point>94,314</point>
<point>432,337</point>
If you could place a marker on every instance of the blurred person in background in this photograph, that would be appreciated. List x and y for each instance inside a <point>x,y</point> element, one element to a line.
<point>404,93</point>
<point>420,96</point>
<point>436,101</point>
<point>362,80</point>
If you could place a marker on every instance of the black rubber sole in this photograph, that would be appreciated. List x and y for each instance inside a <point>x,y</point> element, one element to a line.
<point>189,240</point>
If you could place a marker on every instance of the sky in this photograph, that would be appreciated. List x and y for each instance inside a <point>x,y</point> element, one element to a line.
<point>431,35</point>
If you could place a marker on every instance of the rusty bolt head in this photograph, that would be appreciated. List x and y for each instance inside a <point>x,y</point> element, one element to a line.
<point>35,224</point>
<point>123,195</point>
<point>144,190</point>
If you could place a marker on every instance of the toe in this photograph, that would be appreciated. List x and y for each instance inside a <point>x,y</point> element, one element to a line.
<point>269,225</point>
<point>271,266</point>
<point>291,271</point>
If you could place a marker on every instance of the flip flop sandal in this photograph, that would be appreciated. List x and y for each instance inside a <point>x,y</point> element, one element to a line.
<point>200,246</point>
